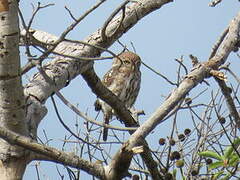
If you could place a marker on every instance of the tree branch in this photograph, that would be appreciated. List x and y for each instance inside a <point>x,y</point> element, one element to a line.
<point>199,72</point>
<point>89,119</point>
<point>197,75</point>
<point>62,71</point>
<point>103,93</point>
<point>230,103</point>
<point>52,154</point>
<point>124,114</point>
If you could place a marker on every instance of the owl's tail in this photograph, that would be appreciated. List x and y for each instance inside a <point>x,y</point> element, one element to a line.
<point>105,130</point>
<point>97,105</point>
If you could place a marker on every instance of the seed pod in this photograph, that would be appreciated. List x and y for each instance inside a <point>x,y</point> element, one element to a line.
<point>162,141</point>
<point>181,137</point>
<point>187,131</point>
<point>172,142</point>
<point>176,155</point>
<point>179,163</point>
<point>222,120</point>
<point>209,161</point>
<point>194,172</point>
<point>135,177</point>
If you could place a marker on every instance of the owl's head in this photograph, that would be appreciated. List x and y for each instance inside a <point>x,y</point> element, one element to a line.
<point>128,60</point>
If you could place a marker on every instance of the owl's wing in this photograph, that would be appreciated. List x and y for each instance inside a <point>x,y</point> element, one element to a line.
<point>115,81</point>
<point>110,77</point>
<point>109,80</point>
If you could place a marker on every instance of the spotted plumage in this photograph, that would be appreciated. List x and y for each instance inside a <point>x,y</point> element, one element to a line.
<point>123,79</point>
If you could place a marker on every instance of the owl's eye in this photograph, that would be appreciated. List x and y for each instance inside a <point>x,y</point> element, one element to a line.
<point>126,62</point>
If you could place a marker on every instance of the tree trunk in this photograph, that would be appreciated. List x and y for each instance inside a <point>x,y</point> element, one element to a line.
<point>13,169</point>
<point>12,104</point>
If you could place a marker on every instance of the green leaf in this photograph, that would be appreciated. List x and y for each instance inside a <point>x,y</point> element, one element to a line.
<point>236,142</point>
<point>229,150</point>
<point>217,175</point>
<point>211,154</point>
<point>174,173</point>
<point>216,165</point>
<point>234,160</point>
<point>227,177</point>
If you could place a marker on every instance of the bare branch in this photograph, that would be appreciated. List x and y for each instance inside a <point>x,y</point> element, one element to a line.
<point>159,74</point>
<point>120,162</point>
<point>217,44</point>
<point>64,34</point>
<point>103,93</point>
<point>67,128</point>
<point>123,113</point>
<point>198,73</point>
<point>213,3</point>
<point>52,153</point>
<point>229,100</point>
<point>64,70</point>
<point>121,7</point>
<point>226,67</point>
<point>88,119</point>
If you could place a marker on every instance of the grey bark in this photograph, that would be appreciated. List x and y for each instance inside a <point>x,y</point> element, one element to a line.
<point>12,102</point>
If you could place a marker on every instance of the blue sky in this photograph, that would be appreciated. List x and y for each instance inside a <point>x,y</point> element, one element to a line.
<point>177,29</point>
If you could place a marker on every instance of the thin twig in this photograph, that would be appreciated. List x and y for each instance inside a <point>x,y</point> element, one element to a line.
<point>67,128</point>
<point>159,74</point>
<point>88,119</point>
<point>27,27</point>
<point>229,100</point>
<point>94,46</point>
<point>225,132</point>
<point>181,63</point>
<point>114,13</point>
<point>68,29</point>
<point>213,3</point>
<point>218,43</point>
<point>43,152</point>
<point>226,67</point>
<point>70,13</point>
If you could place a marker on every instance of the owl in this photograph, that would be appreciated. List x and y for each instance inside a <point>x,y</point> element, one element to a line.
<point>123,79</point>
